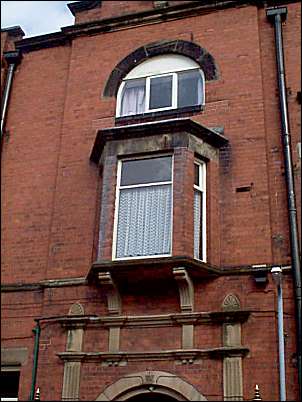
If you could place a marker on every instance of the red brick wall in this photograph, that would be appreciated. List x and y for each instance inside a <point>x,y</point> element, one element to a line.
<point>51,197</point>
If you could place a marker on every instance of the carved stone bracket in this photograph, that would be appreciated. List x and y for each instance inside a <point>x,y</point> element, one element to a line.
<point>186,289</point>
<point>113,297</point>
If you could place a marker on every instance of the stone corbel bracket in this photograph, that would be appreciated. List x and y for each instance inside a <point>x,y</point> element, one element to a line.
<point>114,302</point>
<point>186,289</point>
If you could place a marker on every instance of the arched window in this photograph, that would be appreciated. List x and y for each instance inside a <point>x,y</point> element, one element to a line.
<point>161,83</point>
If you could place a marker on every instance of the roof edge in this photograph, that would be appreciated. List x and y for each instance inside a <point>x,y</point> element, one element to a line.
<point>15,30</point>
<point>83,6</point>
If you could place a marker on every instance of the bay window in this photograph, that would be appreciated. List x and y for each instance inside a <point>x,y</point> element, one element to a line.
<point>143,213</point>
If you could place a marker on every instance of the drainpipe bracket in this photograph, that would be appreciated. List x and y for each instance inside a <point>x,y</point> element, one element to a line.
<point>272,12</point>
<point>13,57</point>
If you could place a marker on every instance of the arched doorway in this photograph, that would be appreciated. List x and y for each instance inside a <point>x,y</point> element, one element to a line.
<point>151,386</point>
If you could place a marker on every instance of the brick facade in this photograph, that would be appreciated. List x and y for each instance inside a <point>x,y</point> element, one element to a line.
<point>58,206</point>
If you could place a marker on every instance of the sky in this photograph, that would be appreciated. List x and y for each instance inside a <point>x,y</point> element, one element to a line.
<point>36,17</point>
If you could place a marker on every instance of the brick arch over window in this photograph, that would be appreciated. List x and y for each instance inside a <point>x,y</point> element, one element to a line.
<point>182,47</point>
<point>139,383</point>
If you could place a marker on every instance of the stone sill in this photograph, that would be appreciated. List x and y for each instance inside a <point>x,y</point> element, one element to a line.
<point>181,356</point>
<point>153,116</point>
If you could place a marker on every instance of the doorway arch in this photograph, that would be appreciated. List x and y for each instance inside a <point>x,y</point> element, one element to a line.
<point>151,385</point>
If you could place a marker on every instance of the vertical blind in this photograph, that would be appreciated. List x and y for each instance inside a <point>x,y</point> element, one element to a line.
<point>144,221</point>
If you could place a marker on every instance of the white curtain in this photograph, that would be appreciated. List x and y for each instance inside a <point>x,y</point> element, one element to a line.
<point>133,101</point>
<point>197,223</point>
<point>144,221</point>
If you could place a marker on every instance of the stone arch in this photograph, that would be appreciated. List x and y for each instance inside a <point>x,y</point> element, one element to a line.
<point>182,47</point>
<point>158,382</point>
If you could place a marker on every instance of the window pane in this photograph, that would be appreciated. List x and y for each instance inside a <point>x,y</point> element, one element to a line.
<point>161,92</point>
<point>196,174</point>
<point>133,98</point>
<point>198,251</point>
<point>150,170</point>
<point>189,88</point>
<point>144,222</point>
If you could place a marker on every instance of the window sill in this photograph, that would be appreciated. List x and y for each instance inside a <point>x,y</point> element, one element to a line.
<point>152,116</point>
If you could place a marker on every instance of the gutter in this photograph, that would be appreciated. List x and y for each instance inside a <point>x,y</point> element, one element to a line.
<point>277,15</point>
<point>12,59</point>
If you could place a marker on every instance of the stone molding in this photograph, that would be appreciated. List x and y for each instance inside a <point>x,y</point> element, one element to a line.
<point>186,289</point>
<point>188,356</point>
<point>158,382</point>
<point>62,282</point>
<point>160,320</point>
<point>108,286</point>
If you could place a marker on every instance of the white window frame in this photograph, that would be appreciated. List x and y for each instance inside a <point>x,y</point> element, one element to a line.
<point>174,93</point>
<point>147,91</point>
<point>201,188</point>
<point>117,199</point>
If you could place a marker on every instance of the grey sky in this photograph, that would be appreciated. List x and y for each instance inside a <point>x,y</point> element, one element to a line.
<point>36,17</point>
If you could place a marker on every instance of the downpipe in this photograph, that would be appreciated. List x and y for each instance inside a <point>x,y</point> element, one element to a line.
<point>276,16</point>
<point>37,332</point>
<point>12,59</point>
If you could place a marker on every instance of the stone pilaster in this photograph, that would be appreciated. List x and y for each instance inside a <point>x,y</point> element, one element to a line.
<point>72,370</point>
<point>232,366</point>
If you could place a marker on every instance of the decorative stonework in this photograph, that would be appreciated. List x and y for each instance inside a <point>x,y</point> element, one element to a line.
<point>72,369</point>
<point>231,303</point>
<point>186,289</point>
<point>158,382</point>
<point>76,309</point>
<point>232,365</point>
<point>232,379</point>
<point>71,381</point>
<point>109,288</point>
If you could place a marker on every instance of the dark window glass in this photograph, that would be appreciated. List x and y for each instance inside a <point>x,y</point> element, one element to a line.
<point>196,174</point>
<point>9,384</point>
<point>161,92</point>
<point>189,89</point>
<point>150,170</point>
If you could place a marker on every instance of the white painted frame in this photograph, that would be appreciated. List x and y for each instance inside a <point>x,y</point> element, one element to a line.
<point>147,91</point>
<point>174,93</point>
<point>201,187</point>
<point>117,199</point>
